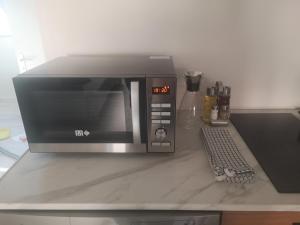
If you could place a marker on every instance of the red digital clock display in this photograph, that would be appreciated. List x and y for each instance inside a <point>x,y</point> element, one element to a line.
<point>164,90</point>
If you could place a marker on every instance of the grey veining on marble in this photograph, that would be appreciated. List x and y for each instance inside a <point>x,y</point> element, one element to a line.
<point>181,181</point>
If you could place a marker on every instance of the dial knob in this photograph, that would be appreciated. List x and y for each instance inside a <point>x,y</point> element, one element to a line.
<point>160,133</point>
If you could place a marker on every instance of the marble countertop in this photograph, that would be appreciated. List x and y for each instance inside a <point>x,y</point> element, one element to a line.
<point>179,181</point>
<point>12,148</point>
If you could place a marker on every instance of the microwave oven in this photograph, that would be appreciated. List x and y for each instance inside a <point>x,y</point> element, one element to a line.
<point>112,104</point>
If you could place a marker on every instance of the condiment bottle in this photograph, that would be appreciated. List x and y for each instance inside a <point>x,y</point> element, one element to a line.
<point>219,88</point>
<point>214,113</point>
<point>209,100</point>
<point>224,104</point>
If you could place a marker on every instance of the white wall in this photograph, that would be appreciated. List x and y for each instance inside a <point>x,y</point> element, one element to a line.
<point>251,45</point>
<point>8,60</point>
<point>26,31</point>
<point>270,55</point>
<point>8,67</point>
<point>24,39</point>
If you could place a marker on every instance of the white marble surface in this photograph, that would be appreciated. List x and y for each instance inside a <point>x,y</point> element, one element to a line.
<point>181,181</point>
<point>10,118</point>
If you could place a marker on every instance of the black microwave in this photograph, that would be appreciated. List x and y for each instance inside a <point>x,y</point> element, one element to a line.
<point>112,104</point>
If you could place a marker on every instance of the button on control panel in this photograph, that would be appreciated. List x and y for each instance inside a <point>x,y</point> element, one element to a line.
<point>155,105</point>
<point>155,143</point>
<point>160,133</point>
<point>165,144</point>
<point>166,113</point>
<point>165,121</point>
<point>165,105</point>
<point>161,105</point>
<point>156,121</point>
<point>155,113</point>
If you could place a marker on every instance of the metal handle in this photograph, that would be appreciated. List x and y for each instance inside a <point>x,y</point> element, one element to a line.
<point>135,111</point>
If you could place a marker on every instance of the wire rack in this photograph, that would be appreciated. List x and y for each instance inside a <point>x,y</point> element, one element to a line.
<point>225,158</point>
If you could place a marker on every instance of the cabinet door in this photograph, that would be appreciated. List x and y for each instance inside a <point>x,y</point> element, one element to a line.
<point>261,218</point>
<point>210,220</point>
<point>23,219</point>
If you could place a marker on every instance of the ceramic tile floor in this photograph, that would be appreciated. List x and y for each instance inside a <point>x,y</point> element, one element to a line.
<point>9,118</point>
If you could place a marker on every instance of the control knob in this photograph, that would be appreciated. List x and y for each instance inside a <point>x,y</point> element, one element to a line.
<point>160,133</point>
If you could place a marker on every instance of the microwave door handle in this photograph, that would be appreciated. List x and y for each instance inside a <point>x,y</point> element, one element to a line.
<point>135,111</point>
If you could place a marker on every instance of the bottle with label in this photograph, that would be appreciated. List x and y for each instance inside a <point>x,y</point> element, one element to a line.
<point>214,113</point>
<point>209,100</point>
<point>224,103</point>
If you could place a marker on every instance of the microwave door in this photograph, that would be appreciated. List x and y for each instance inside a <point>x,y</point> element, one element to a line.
<point>84,114</point>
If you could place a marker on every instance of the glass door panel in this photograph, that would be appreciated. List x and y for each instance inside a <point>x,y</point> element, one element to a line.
<point>83,110</point>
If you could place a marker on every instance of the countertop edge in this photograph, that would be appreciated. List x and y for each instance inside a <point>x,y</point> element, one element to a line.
<point>147,206</point>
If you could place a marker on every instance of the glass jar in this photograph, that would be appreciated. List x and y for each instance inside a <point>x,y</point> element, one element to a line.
<point>191,107</point>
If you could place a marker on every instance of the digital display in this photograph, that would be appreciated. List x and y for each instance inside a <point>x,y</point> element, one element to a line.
<point>164,90</point>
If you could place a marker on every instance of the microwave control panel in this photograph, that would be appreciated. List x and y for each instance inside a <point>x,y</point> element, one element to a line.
<point>161,101</point>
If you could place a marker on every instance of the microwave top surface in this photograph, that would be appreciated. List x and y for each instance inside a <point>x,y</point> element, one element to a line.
<point>105,65</point>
